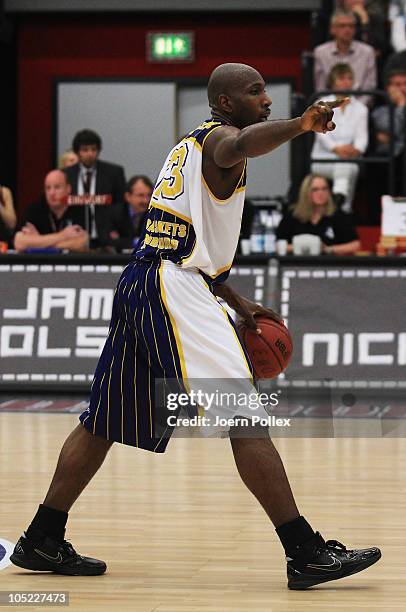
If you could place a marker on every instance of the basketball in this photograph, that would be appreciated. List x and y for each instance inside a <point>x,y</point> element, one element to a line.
<point>270,351</point>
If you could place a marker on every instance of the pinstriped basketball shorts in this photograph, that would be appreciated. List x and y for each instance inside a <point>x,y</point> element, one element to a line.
<point>165,324</point>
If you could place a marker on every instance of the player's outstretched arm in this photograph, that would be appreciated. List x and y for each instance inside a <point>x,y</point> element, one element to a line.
<point>229,145</point>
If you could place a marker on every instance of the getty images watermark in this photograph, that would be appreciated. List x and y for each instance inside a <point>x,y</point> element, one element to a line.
<point>329,409</point>
<point>221,406</point>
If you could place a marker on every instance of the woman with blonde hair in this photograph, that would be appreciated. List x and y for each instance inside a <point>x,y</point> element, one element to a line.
<point>67,159</point>
<point>315,213</point>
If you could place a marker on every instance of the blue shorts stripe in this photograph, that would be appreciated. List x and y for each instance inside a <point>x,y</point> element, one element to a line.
<point>140,348</point>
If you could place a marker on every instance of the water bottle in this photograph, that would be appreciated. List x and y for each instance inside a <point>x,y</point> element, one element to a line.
<point>269,237</point>
<point>257,235</point>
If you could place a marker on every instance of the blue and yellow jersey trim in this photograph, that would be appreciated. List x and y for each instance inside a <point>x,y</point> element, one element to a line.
<point>198,137</point>
<point>167,235</point>
<point>219,277</point>
<point>199,134</point>
<point>238,188</point>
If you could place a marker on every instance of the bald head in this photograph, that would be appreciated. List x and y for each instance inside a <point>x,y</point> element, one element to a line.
<point>56,175</point>
<point>229,79</point>
<point>57,189</point>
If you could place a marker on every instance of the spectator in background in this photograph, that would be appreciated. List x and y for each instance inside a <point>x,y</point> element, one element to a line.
<point>397,16</point>
<point>397,61</point>
<point>50,222</point>
<point>315,213</point>
<point>349,140</point>
<point>378,174</point>
<point>396,89</point>
<point>397,19</point>
<point>8,217</point>
<point>343,49</point>
<point>94,177</point>
<point>125,221</point>
<point>370,25</point>
<point>68,158</point>
<point>379,8</point>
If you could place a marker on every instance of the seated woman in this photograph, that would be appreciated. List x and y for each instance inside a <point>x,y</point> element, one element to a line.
<point>315,213</point>
<point>8,217</point>
<point>348,141</point>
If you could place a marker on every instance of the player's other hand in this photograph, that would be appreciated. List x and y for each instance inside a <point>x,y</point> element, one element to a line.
<point>319,116</point>
<point>245,309</point>
<point>248,310</point>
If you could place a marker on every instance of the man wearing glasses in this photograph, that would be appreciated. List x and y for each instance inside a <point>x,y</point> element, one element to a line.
<point>343,49</point>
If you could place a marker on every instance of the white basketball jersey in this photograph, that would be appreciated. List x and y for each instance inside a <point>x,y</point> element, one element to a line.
<point>186,223</point>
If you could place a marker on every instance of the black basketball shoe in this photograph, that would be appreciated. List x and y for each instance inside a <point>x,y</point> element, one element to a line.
<point>50,555</point>
<point>317,561</point>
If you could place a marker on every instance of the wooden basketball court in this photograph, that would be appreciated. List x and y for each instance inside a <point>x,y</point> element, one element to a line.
<point>180,533</point>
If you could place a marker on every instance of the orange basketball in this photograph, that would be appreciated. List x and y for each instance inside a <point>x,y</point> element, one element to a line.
<point>270,351</point>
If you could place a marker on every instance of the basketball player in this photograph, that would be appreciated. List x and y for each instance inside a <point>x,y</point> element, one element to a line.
<point>167,323</point>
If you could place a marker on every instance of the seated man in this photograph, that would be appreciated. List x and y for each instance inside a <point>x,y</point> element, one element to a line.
<point>344,49</point>
<point>396,89</point>
<point>50,222</point>
<point>378,174</point>
<point>370,24</point>
<point>348,141</point>
<point>125,221</point>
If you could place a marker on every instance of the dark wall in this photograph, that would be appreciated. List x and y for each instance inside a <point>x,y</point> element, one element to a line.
<point>8,116</point>
<point>114,46</point>
<point>40,6</point>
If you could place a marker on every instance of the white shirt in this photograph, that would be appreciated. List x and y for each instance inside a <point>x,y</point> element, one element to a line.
<point>82,179</point>
<point>351,128</point>
<point>397,18</point>
<point>361,58</point>
<point>92,191</point>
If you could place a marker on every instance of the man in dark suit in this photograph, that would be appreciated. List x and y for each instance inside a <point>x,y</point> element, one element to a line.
<point>125,221</point>
<point>90,176</point>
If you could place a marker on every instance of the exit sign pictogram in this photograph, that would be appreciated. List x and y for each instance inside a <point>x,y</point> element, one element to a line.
<point>170,47</point>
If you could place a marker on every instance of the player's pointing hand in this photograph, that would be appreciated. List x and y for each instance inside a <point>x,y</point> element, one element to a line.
<point>318,117</point>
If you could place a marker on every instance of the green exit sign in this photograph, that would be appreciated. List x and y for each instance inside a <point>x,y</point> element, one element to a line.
<point>170,47</point>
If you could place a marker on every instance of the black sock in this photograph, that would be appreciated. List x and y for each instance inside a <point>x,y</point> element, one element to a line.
<point>49,521</point>
<point>294,533</point>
